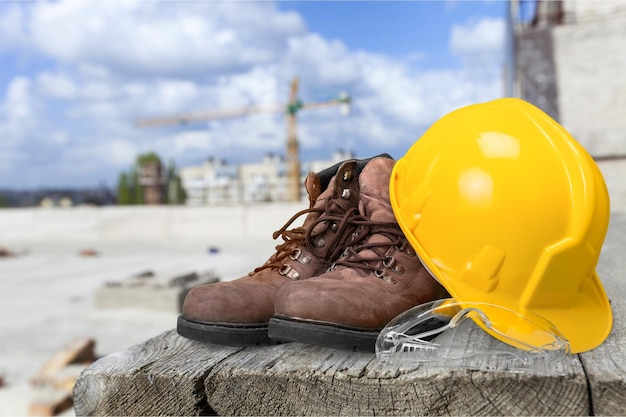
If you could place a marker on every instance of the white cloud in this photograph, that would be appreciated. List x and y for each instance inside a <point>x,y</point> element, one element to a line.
<point>12,28</point>
<point>19,121</point>
<point>189,141</point>
<point>121,153</point>
<point>116,62</point>
<point>19,101</point>
<point>321,60</point>
<point>57,85</point>
<point>258,86</point>
<point>152,38</point>
<point>19,114</point>
<point>479,41</point>
<point>59,137</point>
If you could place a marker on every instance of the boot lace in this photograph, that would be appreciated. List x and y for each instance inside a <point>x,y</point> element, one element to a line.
<point>301,236</point>
<point>378,256</point>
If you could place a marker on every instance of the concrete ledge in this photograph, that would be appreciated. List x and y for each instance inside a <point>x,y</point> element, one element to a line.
<point>161,291</point>
<point>141,223</point>
<point>163,223</point>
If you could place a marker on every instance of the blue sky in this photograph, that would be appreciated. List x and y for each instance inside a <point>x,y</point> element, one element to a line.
<point>396,28</point>
<point>76,74</point>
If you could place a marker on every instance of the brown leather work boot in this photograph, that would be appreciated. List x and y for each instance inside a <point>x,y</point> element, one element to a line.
<point>378,277</point>
<point>237,312</point>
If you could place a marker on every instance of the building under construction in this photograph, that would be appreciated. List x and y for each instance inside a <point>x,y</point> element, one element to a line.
<point>570,60</point>
<point>217,182</point>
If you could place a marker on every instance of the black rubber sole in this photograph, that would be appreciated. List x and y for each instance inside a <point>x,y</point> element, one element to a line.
<point>284,329</point>
<point>242,335</point>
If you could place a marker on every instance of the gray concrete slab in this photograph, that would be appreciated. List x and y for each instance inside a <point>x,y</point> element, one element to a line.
<point>47,299</point>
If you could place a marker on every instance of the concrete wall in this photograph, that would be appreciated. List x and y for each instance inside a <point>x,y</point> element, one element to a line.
<point>575,72</point>
<point>578,11</point>
<point>201,224</point>
<point>143,223</point>
<point>591,72</point>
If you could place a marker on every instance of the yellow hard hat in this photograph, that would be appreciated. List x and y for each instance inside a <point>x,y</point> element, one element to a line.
<point>503,206</point>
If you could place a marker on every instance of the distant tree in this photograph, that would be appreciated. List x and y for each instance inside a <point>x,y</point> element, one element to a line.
<point>175,192</point>
<point>124,191</point>
<point>179,192</point>
<point>147,158</point>
<point>130,191</point>
<point>137,191</point>
<point>3,201</point>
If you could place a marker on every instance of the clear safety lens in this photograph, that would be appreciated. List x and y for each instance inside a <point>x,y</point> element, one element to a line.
<point>530,342</point>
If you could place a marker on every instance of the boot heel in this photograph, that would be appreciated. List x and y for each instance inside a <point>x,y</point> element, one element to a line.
<point>282,329</point>
<point>224,334</point>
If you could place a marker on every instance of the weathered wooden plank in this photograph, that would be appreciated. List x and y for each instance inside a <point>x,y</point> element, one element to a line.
<point>170,375</point>
<point>79,351</point>
<point>296,379</point>
<point>162,376</point>
<point>606,365</point>
<point>52,393</point>
<point>50,402</point>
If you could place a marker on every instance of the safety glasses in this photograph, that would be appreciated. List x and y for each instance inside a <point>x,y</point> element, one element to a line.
<point>525,340</point>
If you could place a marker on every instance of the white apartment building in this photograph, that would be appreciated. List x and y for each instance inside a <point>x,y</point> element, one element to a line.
<point>216,182</point>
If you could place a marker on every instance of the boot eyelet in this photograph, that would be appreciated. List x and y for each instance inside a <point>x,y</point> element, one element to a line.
<point>346,252</point>
<point>295,254</point>
<point>390,280</point>
<point>346,194</point>
<point>401,245</point>
<point>379,273</point>
<point>288,271</point>
<point>334,227</point>
<point>404,246</point>
<point>319,242</point>
<point>305,260</point>
<point>399,269</point>
<point>389,262</point>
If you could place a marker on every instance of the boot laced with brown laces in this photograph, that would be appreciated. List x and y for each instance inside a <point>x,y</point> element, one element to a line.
<point>237,312</point>
<point>378,277</point>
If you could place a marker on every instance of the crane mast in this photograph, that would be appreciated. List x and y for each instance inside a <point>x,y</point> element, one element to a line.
<point>293,147</point>
<point>293,106</point>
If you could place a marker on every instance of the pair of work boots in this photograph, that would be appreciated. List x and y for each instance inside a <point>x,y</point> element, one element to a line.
<point>335,281</point>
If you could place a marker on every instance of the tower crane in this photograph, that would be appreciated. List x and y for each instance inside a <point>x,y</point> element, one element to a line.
<point>291,108</point>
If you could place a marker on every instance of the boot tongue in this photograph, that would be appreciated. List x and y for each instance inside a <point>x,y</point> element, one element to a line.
<point>374,184</point>
<point>313,187</point>
<point>320,201</point>
<point>340,195</point>
<point>375,204</point>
